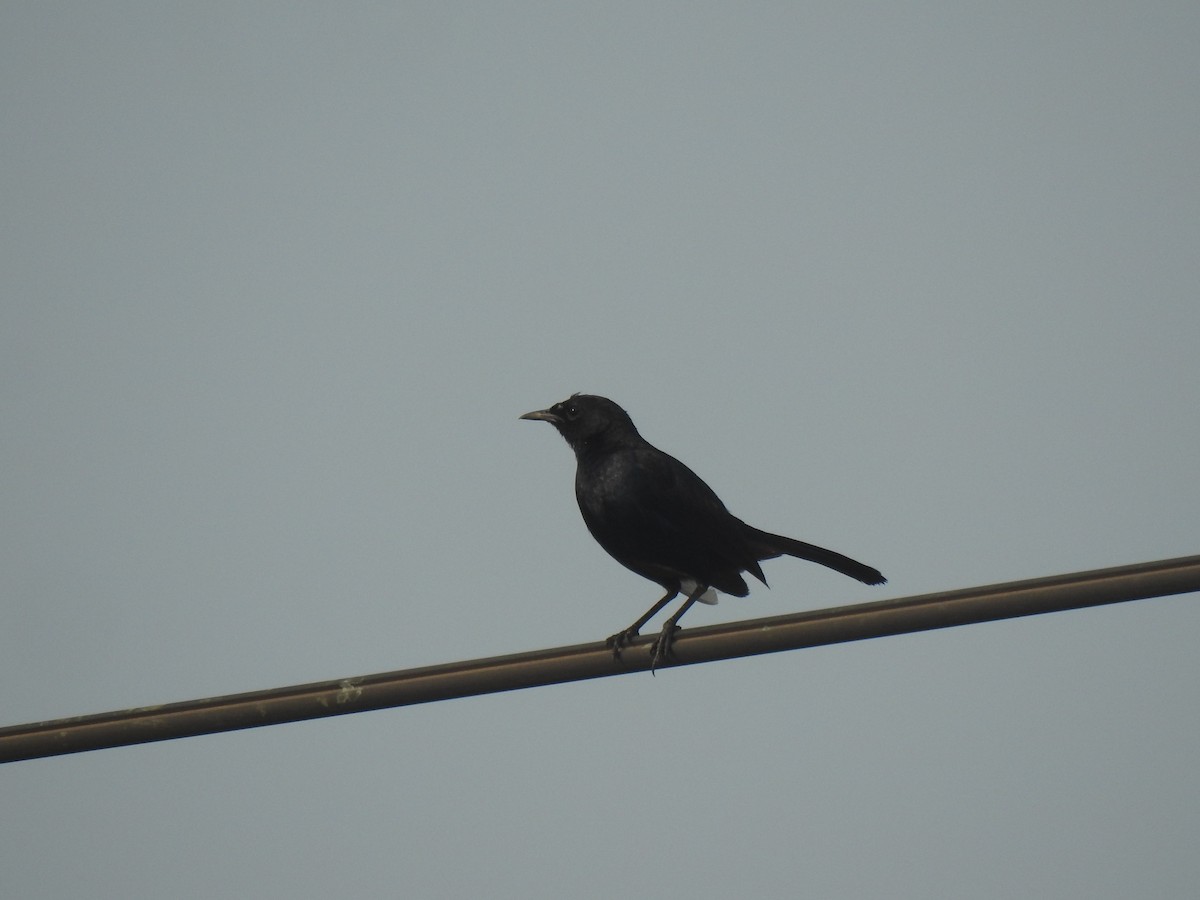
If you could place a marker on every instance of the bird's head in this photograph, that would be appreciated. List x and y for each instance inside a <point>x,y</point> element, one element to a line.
<point>586,420</point>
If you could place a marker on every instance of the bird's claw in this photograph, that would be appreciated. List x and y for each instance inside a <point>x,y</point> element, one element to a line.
<point>661,650</point>
<point>620,641</point>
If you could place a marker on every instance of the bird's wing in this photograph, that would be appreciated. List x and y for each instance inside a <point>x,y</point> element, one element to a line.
<point>655,515</point>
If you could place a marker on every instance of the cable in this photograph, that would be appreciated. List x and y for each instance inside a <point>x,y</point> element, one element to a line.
<point>564,664</point>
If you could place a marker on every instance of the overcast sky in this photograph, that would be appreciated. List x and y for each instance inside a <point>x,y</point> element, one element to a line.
<point>917,282</point>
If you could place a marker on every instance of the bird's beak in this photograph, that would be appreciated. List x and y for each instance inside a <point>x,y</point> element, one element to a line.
<point>542,415</point>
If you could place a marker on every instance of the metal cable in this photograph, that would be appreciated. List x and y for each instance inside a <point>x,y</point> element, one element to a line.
<point>563,664</point>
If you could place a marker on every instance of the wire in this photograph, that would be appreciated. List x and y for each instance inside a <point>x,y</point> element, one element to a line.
<point>564,664</point>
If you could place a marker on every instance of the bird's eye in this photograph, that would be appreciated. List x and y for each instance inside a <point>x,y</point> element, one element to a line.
<point>572,411</point>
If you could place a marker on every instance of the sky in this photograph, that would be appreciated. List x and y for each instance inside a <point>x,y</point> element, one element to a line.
<point>915,282</point>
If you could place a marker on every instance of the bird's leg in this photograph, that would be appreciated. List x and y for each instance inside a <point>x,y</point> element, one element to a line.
<point>622,639</point>
<point>660,650</point>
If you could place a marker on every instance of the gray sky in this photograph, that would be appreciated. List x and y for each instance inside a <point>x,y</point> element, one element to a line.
<point>916,282</point>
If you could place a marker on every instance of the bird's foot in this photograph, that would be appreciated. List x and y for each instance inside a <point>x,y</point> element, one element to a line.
<point>620,641</point>
<point>660,650</point>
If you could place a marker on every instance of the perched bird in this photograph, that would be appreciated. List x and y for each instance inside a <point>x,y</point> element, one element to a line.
<point>657,518</point>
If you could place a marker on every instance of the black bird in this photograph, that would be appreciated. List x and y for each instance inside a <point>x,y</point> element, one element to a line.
<point>657,518</point>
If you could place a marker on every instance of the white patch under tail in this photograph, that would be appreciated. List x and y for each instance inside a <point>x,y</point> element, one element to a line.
<point>687,585</point>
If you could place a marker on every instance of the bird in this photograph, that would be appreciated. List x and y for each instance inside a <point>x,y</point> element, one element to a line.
<point>657,518</point>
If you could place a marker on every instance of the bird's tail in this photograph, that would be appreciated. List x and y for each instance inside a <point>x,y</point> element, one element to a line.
<point>768,546</point>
